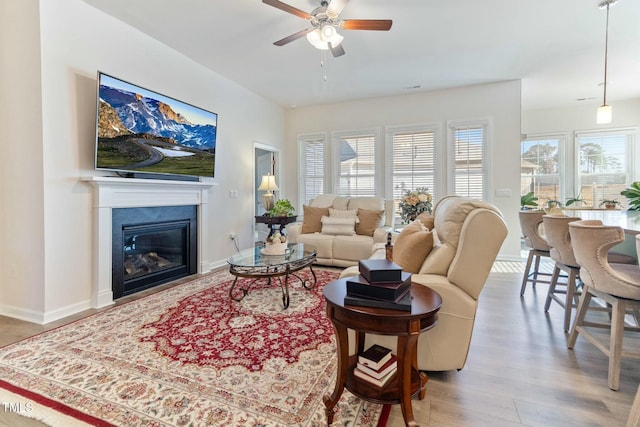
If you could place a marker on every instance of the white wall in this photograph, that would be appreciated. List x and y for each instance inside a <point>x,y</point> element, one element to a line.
<point>56,220</point>
<point>499,102</point>
<point>21,175</point>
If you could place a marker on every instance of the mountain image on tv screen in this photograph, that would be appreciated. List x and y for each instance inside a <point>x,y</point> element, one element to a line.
<point>142,131</point>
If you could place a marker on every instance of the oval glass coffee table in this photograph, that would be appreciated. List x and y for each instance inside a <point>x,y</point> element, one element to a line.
<point>253,264</point>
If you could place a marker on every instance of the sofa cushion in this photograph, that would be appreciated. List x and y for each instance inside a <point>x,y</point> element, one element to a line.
<point>341,202</point>
<point>323,201</point>
<point>369,203</point>
<point>352,248</point>
<point>343,213</point>
<point>322,243</point>
<point>412,246</point>
<point>338,226</point>
<point>312,219</point>
<point>368,221</point>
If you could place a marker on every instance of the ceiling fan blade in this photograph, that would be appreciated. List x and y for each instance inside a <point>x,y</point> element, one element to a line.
<point>367,24</point>
<point>336,6</point>
<point>293,37</point>
<point>290,9</point>
<point>336,51</point>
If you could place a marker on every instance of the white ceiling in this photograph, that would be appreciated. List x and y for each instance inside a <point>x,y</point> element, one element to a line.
<point>555,46</point>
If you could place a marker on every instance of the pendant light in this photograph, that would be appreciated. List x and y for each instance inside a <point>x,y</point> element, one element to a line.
<point>605,112</point>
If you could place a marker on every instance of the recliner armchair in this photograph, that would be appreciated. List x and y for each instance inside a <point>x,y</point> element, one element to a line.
<point>468,236</point>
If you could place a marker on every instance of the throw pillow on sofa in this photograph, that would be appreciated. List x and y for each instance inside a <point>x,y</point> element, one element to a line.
<point>368,221</point>
<point>344,213</point>
<point>312,222</point>
<point>412,246</point>
<point>427,220</point>
<point>338,226</point>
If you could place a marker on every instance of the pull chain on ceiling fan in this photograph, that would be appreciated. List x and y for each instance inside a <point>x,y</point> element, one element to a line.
<point>324,21</point>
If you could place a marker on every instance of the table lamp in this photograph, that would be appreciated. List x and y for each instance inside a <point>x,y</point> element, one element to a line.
<point>268,184</point>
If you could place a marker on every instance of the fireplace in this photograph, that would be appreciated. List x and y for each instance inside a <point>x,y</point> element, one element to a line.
<point>152,246</point>
<point>113,194</point>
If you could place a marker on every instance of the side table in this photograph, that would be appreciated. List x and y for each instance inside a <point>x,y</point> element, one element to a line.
<point>273,221</point>
<point>407,326</point>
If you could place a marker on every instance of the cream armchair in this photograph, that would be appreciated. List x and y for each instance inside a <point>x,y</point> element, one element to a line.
<point>468,235</point>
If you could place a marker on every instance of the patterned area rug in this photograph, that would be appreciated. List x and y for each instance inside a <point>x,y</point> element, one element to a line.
<point>189,356</point>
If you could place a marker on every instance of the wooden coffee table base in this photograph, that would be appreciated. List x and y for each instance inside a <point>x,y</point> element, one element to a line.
<point>407,326</point>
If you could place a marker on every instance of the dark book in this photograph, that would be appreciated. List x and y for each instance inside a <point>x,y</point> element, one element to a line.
<point>375,356</point>
<point>403,304</point>
<point>380,270</point>
<point>388,291</point>
<point>387,368</point>
<point>375,381</point>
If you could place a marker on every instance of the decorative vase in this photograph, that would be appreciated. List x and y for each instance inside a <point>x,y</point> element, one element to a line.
<point>274,248</point>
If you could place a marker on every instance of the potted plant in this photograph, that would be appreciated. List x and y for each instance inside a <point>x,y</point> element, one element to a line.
<point>577,200</point>
<point>282,207</point>
<point>528,201</point>
<point>633,196</point>
<point>551,203</point>
<point>609,203</point>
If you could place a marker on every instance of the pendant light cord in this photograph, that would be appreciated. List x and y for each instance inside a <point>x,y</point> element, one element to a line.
<point>606,55</point>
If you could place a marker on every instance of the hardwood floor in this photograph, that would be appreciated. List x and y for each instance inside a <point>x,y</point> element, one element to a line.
<point>519,371</point>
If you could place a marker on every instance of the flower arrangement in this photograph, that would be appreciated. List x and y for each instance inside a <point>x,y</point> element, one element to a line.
<point>414,203</point>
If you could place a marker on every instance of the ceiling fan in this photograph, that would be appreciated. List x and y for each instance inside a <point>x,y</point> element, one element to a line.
<point>324,21</point>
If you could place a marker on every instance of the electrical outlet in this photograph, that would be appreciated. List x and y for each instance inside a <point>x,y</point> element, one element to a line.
<point>232,236</point>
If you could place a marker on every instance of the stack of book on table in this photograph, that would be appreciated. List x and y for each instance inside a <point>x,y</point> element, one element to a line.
<point>376,365</point>
<point>382,284</point>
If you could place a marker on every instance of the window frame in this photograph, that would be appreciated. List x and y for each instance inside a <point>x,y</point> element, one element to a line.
<point>338,136</point>
<point>487,130</point>
<point>303,140</point>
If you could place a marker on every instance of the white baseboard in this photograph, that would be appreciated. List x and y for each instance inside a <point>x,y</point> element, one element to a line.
<point>42,318</point>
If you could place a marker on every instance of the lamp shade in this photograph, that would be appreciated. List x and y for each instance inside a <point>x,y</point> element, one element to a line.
<point>268,183</point>
<point>604,114</point>
<point>321,37</point>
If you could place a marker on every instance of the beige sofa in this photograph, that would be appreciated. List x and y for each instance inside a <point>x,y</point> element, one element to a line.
<point>343,250</point>
<point>467,237</point>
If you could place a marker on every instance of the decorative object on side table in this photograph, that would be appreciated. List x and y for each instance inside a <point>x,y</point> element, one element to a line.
<point>414,202</point>
<point>381,283</point>
<point>282,207</point>
<point>269,185</point>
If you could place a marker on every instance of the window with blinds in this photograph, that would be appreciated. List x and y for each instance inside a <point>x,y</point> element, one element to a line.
<point>540,167</point>
<point>411,160</point>
<point>355,164</point>
<point>312,167</point>
<point>468,160</point>
<point>603,161</point>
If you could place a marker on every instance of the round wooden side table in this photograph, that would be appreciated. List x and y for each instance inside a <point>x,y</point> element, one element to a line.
<point>407,326</point>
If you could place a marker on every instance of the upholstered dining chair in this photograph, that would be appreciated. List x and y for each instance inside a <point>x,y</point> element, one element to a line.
<point>618,285</point>
<point>531,225</point>
<point>564,293</point>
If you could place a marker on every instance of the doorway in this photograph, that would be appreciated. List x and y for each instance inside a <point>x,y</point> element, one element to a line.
<point>265,160</point>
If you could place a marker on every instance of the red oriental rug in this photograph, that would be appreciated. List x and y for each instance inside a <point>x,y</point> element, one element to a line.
<point>188,356</point>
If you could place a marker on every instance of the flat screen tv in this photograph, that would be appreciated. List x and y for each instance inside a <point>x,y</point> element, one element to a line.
<point>142,133</point>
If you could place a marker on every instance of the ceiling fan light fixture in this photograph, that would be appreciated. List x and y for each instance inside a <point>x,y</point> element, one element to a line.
<point>315,38</point>
<point>321,37</point>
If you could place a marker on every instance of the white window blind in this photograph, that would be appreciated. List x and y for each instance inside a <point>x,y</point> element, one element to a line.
<point>312,167</point>
<point>411,160</point>
<point>467,160</point>
<point>603,161</point>
<point>355,161</point>
<point>540,167</point>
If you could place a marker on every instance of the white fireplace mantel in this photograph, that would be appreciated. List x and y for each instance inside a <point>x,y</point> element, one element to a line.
<point>113,192</point>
